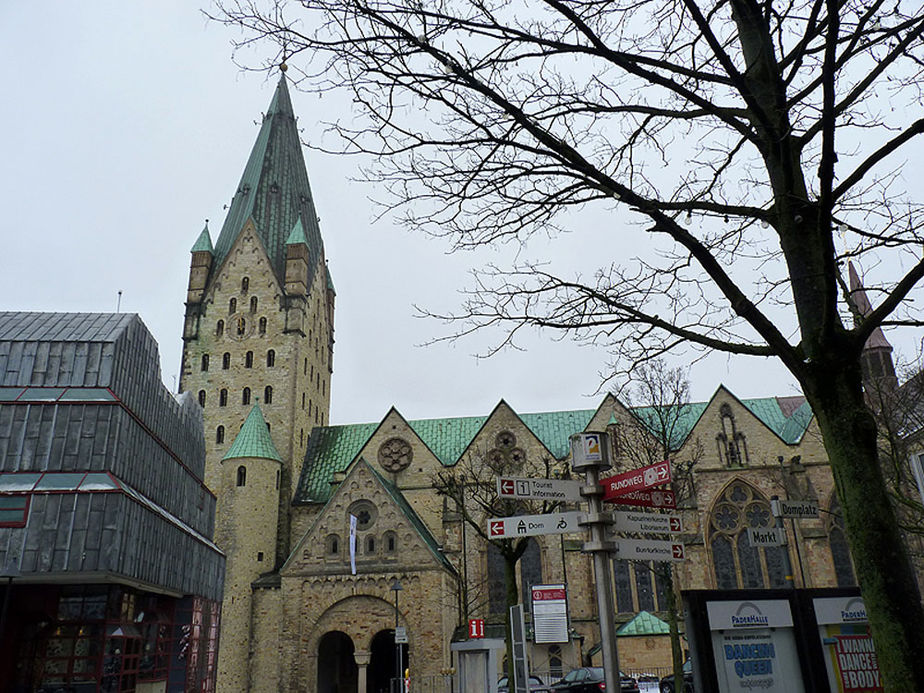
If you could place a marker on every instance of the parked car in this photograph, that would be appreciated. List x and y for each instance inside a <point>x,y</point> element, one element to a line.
<point>591,680</point>
<point>535,685</point>
<point>667,683</point>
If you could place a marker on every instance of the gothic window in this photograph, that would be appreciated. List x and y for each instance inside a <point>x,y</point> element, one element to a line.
<point>245,396</point>
<point>662,580</point>
<point>737,564</point>
<point>242,476</point>
<point>270,358</point>
<point>245,284</point>
<point>268,394</point>
<point>204,365</point>
<point>241,326</point>
<point>253,304</point>
<point>220,434</point>
<point>840,553</point>
<point>731,443</point>
<point>623,586</point>
<point>262,325</point>
<point>232,306</point>
<point>225,361</point>
<point>643,587</point>
<point>530,571</point>
<point>201,398</point>
<point>497,593</point>
<point>248,360</point>
<point>220,328</point>
<point>223,398</point>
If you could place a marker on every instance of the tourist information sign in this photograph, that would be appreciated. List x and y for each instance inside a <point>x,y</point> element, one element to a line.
<point>636,480</point>
<point>534,525</point>
<point>646,523</point>
<point>654,498</point>
<point>766,536</point>
<point>540,489</point>
<point>793,508</point>
<point>649,550</point>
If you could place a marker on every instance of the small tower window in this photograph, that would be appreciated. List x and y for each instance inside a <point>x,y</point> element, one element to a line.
<point>248,360</point>
<point>268,394</point>
<point>220,434</point>
<point>333,545</point>
<point>204,366</point>
<point>303,400</point>
<point>277,478</point>
<point>223,398</point>
<point>245,396</point>
<point>301,437</point>
<point>220,328</point>
<point>391,542</point>
<point>262,325</point>
<point>201,398</point>
<point>242,476</point>
<point>309,407</point>
<point>253,304</point>
<point>306,367</point>
<point>232,306</point>
<point>370,545</point>
<point>241,327</point>
<point>270,358</point>
<point>259,556</point>
<point>225,361</point>
<point>245,284</point>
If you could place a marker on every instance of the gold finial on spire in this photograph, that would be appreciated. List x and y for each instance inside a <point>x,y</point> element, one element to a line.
<point>283,67</point>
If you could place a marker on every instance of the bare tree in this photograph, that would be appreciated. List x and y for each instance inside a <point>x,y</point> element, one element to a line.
<point>743,137</point>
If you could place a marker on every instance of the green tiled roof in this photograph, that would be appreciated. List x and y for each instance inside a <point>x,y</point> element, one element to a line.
<point>204,242</point>
<point>274,191</point>
<point>298,234</point>
<point>254,439</point>
<point>644,623</point>
<point>332,449</point>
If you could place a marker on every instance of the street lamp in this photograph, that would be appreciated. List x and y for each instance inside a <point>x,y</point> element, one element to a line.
<point>396,587</point>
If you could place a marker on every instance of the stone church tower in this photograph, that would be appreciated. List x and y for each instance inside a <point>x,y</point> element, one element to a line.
<point>258,345</point>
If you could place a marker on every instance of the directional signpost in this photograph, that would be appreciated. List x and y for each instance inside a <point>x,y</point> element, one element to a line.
<point>767,536</point>
<point>649,550</point>
<point>647,499</point>
<point>793,508</point>
<point>636,480</point>
<point>534,525</point>
<point>629,521</point>
<point>539,489</point>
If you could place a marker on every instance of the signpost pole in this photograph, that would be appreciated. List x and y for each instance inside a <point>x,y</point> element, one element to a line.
<point>787,562</point>
<point>590,454</point>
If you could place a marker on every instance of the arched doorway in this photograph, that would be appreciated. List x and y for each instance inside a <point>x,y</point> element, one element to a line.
<point>337,672</point>
<point>382,662</point>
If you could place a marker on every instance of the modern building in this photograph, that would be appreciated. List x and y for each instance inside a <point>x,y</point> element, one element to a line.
<point>322,524</point>
<point>110,579</point>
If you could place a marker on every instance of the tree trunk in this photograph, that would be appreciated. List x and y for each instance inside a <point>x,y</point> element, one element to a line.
<point>884,570</point>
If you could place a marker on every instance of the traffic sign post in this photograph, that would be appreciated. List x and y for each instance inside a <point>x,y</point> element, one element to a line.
<point>651,523</point>
<point>636,480</point>
<point>566,490</point>
<point>534,525</point>
<point>649,550</point>
<point>654,498</point>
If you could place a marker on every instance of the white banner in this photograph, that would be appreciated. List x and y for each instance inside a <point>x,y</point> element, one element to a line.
<point>353,544</point>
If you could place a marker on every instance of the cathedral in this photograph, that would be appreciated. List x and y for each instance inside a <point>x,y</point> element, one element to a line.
<point>339,536</point>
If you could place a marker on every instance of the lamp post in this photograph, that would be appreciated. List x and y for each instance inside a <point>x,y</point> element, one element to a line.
<point>396,587</point>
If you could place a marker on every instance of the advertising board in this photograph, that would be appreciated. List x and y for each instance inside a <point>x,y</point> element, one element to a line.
<point>850,658</point>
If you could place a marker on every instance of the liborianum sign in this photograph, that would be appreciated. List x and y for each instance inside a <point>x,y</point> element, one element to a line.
<point>636,480</point>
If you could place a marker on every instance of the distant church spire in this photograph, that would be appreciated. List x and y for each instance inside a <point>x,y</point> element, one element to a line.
<point>877,353</point>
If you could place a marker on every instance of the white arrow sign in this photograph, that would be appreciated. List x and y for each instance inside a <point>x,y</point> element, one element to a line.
<point>628,521</point>
<point>768,536</point>
<point>534,525</point>
<point>649,550</point>
<point>539,489</point>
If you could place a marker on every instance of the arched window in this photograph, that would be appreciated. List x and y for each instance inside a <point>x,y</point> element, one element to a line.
<point>245,284</point>
<point>736,563</point>
<point>201,398</point>
<point>248,360</point>
<point>270,358</point>
<point>220,434</point>
<point>220,328</point>
<point>530,571</point>
<point>204,365</point>
<point>391,542</point>
<point>225,361</point>
<point>223,398</point>
<point>370,544</point>
<point>277,478</point>
<point>242,476</point>
<point>253,304</point>
<point>840,552</point>
<point>333,545</point>
<point>241,327</point>
<point>262,325</point>
<point>232,306</point>
<point>245,396</point>
<point>623,581</point>
<point>268,394</point>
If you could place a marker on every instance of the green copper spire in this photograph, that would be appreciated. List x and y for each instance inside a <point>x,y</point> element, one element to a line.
<point>254,439</point>
<point>298,234</point>
<point>204,242</point>
<point>274,190</point>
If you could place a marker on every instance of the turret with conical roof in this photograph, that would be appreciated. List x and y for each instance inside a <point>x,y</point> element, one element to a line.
<point>876,361</point>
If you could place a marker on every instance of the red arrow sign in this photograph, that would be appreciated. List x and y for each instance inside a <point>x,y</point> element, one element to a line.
<point>506,487</point>
<point>497,528</point>
<point>646,499</point>
<point>636,480</point>
<point>677,551</point>
<point>676,525</point>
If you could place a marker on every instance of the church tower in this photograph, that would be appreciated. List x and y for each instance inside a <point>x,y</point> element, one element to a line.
<point>258,330</point>
<point>876,360</point>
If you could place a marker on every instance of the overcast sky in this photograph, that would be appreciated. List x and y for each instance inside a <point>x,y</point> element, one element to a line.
<point>126,125</point>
